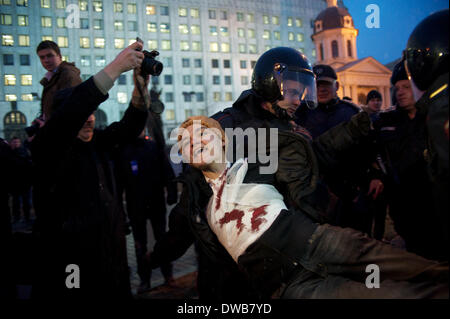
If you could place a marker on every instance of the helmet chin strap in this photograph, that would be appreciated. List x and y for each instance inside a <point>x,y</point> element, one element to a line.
<point>281,113</point>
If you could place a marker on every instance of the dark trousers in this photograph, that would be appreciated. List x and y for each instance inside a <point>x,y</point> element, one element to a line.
<point>21,200</point>
<point>334,266</point>
<point>138,221</point>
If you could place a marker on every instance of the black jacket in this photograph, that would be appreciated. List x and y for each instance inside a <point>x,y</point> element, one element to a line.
<point>78,218</point>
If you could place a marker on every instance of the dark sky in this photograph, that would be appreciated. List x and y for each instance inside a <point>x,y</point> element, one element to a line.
<point>398,19</point>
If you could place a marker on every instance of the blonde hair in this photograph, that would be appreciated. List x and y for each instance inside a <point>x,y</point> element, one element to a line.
<point>204,121</point>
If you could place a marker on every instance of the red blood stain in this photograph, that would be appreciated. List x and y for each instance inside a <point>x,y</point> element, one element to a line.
<point>219,193</point>
<point>256,217</point>
<point>235,214</point>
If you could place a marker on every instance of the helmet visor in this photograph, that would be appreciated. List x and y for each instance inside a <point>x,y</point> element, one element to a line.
<point>297,85</point>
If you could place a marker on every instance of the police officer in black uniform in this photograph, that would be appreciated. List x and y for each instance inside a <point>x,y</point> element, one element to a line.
<point>427,64</point>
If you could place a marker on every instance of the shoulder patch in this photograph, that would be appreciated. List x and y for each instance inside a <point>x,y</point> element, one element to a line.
<point>438,91</point>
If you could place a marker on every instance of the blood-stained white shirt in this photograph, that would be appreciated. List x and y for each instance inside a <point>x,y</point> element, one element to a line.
<point>240,213</point>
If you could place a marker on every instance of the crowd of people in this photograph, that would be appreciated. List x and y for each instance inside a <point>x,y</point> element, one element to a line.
<point>308,230</point>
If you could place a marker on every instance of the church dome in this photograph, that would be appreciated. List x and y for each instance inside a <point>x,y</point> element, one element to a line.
<point>332,18</point>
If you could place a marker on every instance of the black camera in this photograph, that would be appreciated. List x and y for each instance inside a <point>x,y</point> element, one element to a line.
<point>150,65</point>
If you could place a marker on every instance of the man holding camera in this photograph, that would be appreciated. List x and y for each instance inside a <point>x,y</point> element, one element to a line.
<point>82,252</point>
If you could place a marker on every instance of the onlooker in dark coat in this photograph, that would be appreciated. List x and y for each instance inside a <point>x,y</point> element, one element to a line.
<point>79,220</point>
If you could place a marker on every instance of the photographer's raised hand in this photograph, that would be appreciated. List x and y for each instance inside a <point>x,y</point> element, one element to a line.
<point>141,96</point>
<point>130,58</point>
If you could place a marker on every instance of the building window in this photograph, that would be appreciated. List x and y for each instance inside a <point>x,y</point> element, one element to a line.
<point>132,26</point>
<point>215,63</point>
<point>184,46</point>
<point>167,79</point>
<point>197,63</point>
<point>61,22</point>
<point>99,43</point>
<point>5,2</point>
<point>313,52</point>
<point>226,64</point>
<point>291,36</point>
<point>195,29</point>
<point>65,58</point>
<point>213,30</point>
<point>214,47</point>
<point>27,97</point>
<point>24,40</point>
<point>195,13</point>
<point>83,5</point>
<point>212,14</point>
<point>183,29</point>
<point>10,97</point>
<point>275,20</point>
<point>151,27</point>
<point>252,49</point>
<point>97,6</point>
<point>122,80</point>
<point>166,45</point>
<point>26,79</point>
<point>242,48</point>
<point>63,42</point>
<point>321,51</point>
<point>216,80</point>
<point>241,33</point>
<point>266,19</point>
<point>164,10</point>
<point>298,22</point>
<point>266,35</point>
<point>186,79</point>
<point>131,8</point>
<point>200,98</point>
<point>152,44</point>
<point>251,33</point>
<point>84,23</point>
<point>267,48</point>
<point>290,22</point>
<point>100,60</point>
<point>182,12</point>
<point>244,80</point>
<point>122,97</point>
<point>22,20</point>
<point>119,43</point>
<point>164,28</point>
<point>334,49</point>
<point>170,115</point>
<point>10,79</point>
<point>239,16</point>
<point>252,64</point>
<point>300,37</point>
<point>224,31</point>
<point>225,47</point>
<point>85,60</point>
<point>250,17</point>
<point>5,19</point>
<point>84,42</point>
<point>187,112</point>
<point>168,62</point>
<point>227,80</point>
<point>118,7</point>
<point>199,79</point>
<point>228,96</point>
<point>243,64</point>
<point>20,3</point>
<point>98,24</point>
<point>7,40</point>
<point>223,15</point>
<point>349,48</point>
<point>168,97</point>
<point>60,4</point>
<point>47,38</point>
<point>8,59</point>
<point>45,3</point>
<point>216,96</point>
<point>185,63</point>
<point>277,35</point>
<point>150,10</point>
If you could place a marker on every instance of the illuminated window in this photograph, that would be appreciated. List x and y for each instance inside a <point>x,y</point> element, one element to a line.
<point>5,2</point>
<point>182,12</point>
<point>19,3</point>
<point>118,7</point>
<point>118,25</point>
<point>65,58</point>
<point>169,114</point>
<point>290,22</point>
<point>166,45</point>
<point>10,79</point>
<point>84,42</point>
<point>131,8</point>
<point>251,33</point>
<point>291,36</point>
<point>196,46</point>
<point>225,47</point>
<point>119,43</point>
<point>184,46</point>
<point>214,47</point>
<point>98,24</point>
<point>228,96</point>
<point>275,20</point>
<point>195,29</point>
<point>298,22</point>
<point>213,30</point>
<point>150,10</point>
<point>22,20</point>
<point>26,79</point>
<point>5,19</point>
<point>277,35</point>
<point>313,52</point>
<point>60,4</point>
<point>195,13</point>
<point>27,97</point>
<point>63,42</point>
<point>216,96</point>
<point>83,5</point>
<point>224,31</point>
<point>250,17</point>
<point>45,3</point>
<point>266,19</point>
<point>85,60</point>
<point>10,97</point>
<point>152,44</point>
<point>242,48</point>
<point>100,60</point>
<point>61,22</point>
<point>97,6</point>
<point>122,97</point>
<point>151,27</point>
<point>241,33</point>
<point>7,40</point>
<point>47,38</point>
<point>99,43</point>
<point>24,40</point>
<point>266,35</point>
<point>300,37</point>
<point>164,28</point>
<point>252,48</point>
<point>267,47</point>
